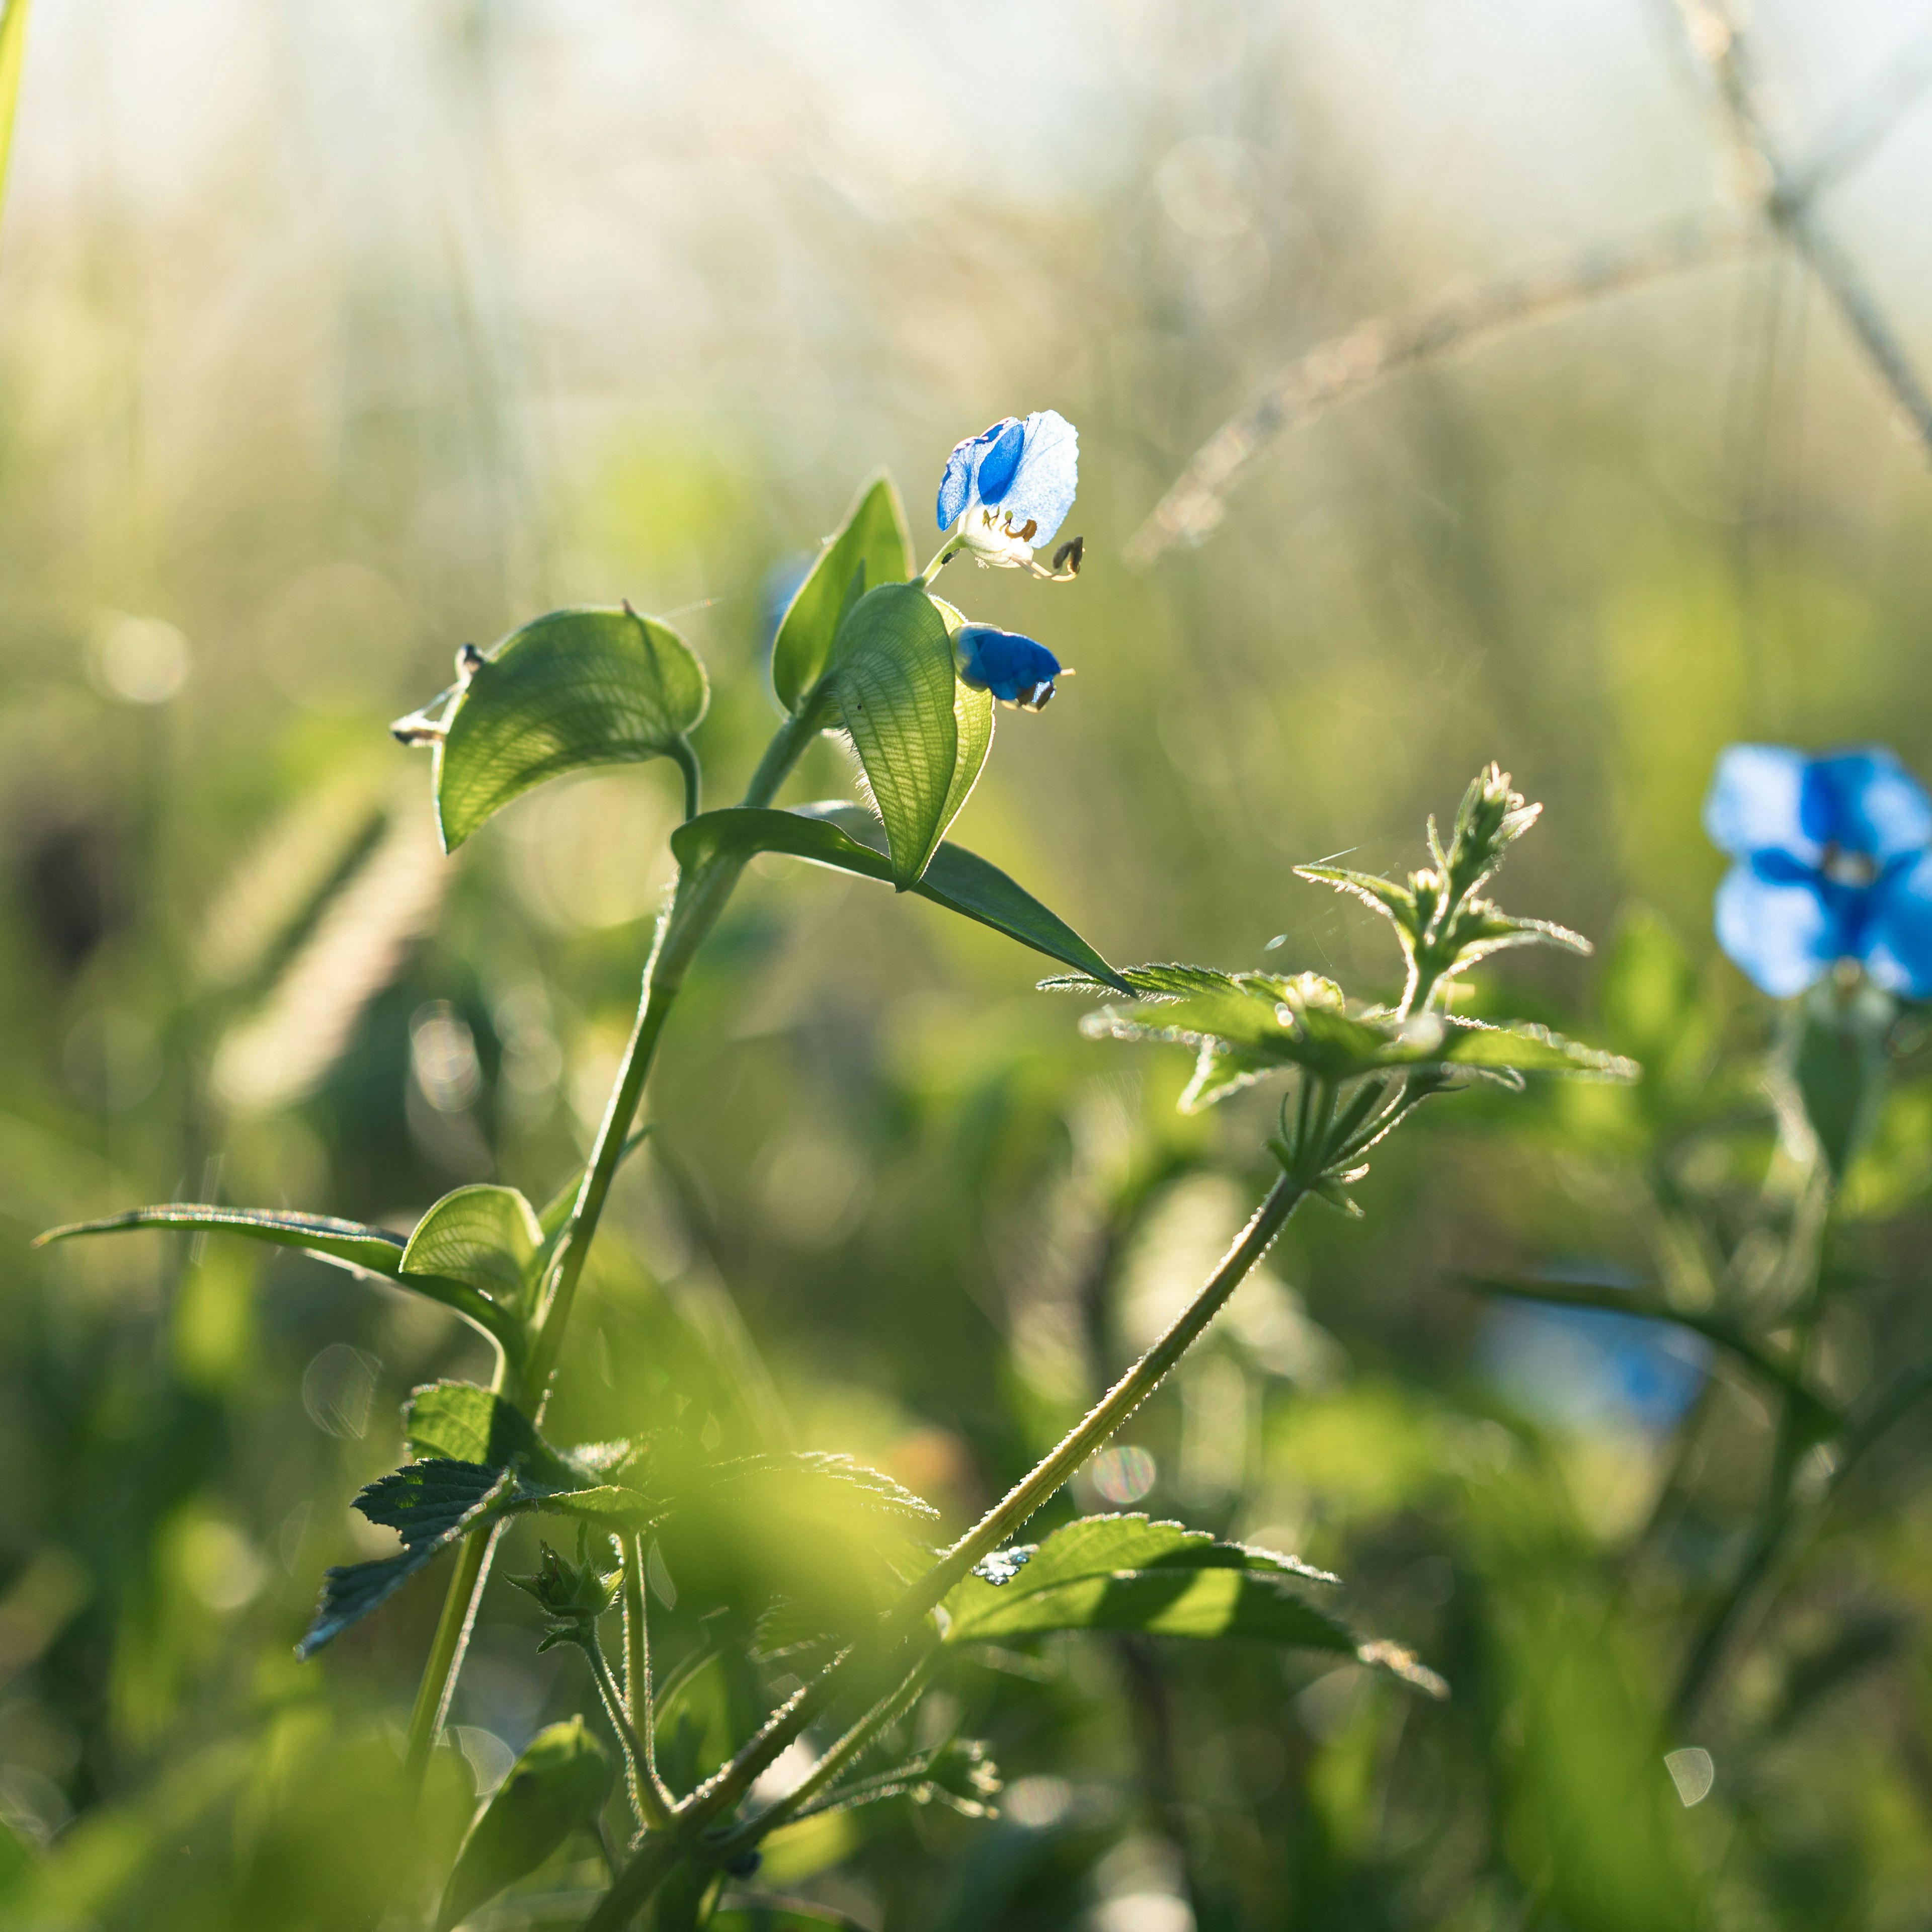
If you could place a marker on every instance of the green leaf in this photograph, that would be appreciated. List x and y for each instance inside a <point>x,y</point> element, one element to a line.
<point>872,541</point>
<point>13,56</point>
<point>431,1505</point>
<point>1095,1549</point>
<point>558,1785</point>
<point>1125,1572</point>
<point>587,686</point>
<point>349,1244</point>
<point>850,839</point>
<point>1392,901</point>
<point>465,1423</point>
<point>788,1478</point>
<point>1263,1020</point>
<point>487,1236</point>
<point>892,677</point>
<point>1836,1050</point>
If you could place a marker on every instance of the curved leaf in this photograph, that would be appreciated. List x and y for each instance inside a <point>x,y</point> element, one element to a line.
<point>350,1243</point>
<point>559,1783</point>
<point>1177,1602</point>
<point>587,686</point>
<point>892,677</point>
<point>488,1236</point>
<point>465,1423</point>
<point>871,545</point>
<point>850,839</point>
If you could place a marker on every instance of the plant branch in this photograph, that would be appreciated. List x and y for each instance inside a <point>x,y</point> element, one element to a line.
<point>647,1802</point>
<point>638,1699</point>
<point>1351,365</point>
<point>445,1662</point>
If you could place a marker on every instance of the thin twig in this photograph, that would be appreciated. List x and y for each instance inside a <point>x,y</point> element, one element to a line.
<point>1351,365</point>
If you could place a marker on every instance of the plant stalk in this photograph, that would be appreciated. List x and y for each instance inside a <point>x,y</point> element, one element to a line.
<point>699,898</point>
<point>726,1786</point>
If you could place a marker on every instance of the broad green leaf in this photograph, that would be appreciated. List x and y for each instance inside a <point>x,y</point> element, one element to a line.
<point>1520,1048</point>
<point>587,686</point>
<point>13,56</point>
<point>872,540</point>
<point>487,1236</point>
<point>1175,1602</point>
<point>1836,1049</point>
<point>349,1244</point>
<point>850,839</point>
<point>892,676</point>
<point>431,1511</point>
<point>559,1784</point>
<point>465,1423</point>
<point>1096,1547</point>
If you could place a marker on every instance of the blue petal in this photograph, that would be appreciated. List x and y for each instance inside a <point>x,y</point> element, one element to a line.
<point>999,462</point>
<point>956,485</point>
<point>1009,666</point>
<point>1042,491</point>
<point>1898,929</point>
<point>1782,932</point>
<point>1866,801</point>
<point>1755,800</point>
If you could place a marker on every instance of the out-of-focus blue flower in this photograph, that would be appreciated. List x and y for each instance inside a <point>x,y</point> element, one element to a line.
<point>1013,668</point>
<point>1593,1368</point>
<point>1013,485</point>
<point>1832,863</point>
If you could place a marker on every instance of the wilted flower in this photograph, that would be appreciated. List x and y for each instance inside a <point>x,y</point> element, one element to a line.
<point>1009,488</point>
<point>1832,864</point>
<point>1015,669</point>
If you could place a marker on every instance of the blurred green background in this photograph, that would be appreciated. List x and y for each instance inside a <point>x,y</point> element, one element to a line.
<point>331,336</point>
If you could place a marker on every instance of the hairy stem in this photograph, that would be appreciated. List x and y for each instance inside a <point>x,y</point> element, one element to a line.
<point>652,1813</point>
<point>727,1786</point>
<point>638,1697</point>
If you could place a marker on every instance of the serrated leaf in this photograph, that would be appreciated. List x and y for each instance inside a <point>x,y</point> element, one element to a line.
<point>798,1472</point>
<point>850,839</point>
<point>1520,1048</point>
<point>1392,901</point>
<point>559,1783</point>
<point>1171,1602</point>
<point>486,1236</point>
<point>466,1423</point>
<point>1095,1549</point>
<point>353,1245</point>
<point>891,675</point>
<point>581,687</point>
<point>872,540</point>
<point>430,1512</point>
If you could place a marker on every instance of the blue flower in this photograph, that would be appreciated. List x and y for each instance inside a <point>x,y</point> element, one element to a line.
<point>1013,668</point>
<point>1009,488</point>
<point>1832,864</point>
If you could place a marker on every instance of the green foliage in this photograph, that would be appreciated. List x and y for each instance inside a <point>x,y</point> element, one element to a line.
<point>487,1237</point>
<point>348,1244</point>
<point>870,548</point>
<point>850,839</point>
<point>891,680</point>
<point>556,1786</point>
<point>1248,1024</point>
<point>578,688</point>
<point>1838,1064</point>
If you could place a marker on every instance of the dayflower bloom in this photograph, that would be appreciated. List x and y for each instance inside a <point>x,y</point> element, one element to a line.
<point>1013,485</point>
<point>1013,668</point>
<point>1832,864</point>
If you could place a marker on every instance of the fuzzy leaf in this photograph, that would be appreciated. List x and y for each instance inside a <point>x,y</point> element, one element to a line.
<point>1520,1048</point>
<point>559,1783</point>
<point>873,540</point>
<point>486,1236</point>
<point>466,1423</point>
<point>892,676</point>
<point>850,839</point>
<point>1392,901</point>
<point>587,686</point>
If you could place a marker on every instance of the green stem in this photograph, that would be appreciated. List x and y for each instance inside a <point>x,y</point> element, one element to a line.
<point>638,1697</point>
<point>446,1654</point>
<point>652,1813</point>
<point>727,1786</point>
<point>833,1765</point>
<point>787,747</point>
<point>941,557</point>
<point>682,750</point>
<point>701,898</point>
